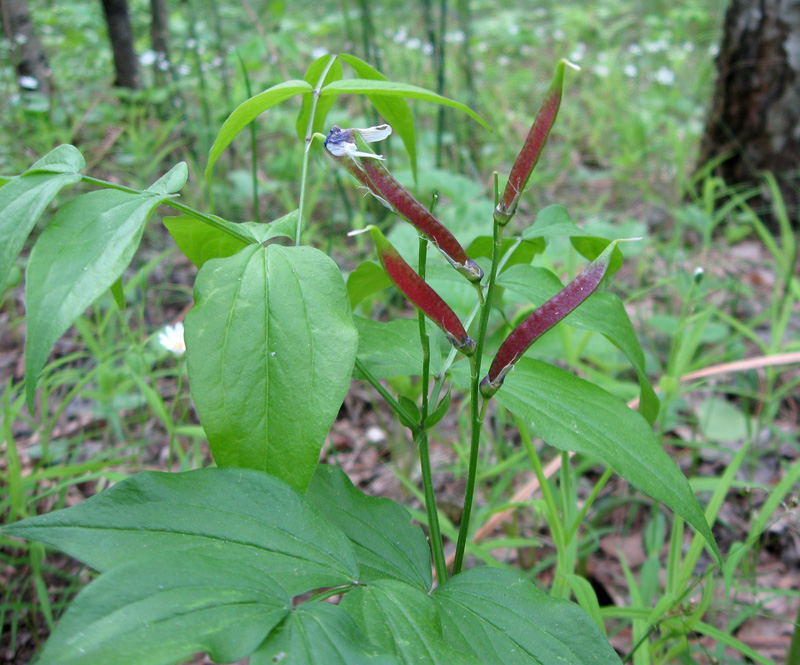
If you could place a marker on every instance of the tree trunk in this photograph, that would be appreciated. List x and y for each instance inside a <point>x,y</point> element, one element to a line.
<point>26,50</point>
<point>159,33</point>
<point>755,112</point>
<point>119,31</point>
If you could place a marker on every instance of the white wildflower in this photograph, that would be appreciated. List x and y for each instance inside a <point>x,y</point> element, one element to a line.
<point>630,70</point>
<point>341,142</point>
<point>28,82</point>
<point>171,338</point>
<point>664,76</point>
<point>318,52</point>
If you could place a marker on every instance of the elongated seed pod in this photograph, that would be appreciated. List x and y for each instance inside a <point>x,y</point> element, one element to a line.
<point>421,295</point>
<point>543,318</point>
<point>387,187</point>
<point>532,148</point>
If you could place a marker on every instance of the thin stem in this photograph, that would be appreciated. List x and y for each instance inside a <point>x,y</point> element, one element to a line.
<point>430,508</point>
<point>391,401</point>
<point>307,149</point>
<point>598,486</point>
<point>476,414</point>
<point>176,205</point>
<point>253,145</point>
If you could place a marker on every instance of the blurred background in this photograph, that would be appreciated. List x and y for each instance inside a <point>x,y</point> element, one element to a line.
<point>681,127</point>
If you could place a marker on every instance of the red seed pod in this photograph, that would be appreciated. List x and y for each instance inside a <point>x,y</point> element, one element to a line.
<point>421,294</point>
<point>543,318</point>
<point>387,188</point>
<point>532,148</point>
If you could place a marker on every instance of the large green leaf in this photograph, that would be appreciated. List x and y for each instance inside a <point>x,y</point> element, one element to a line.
<point>386,544</point>
<point>392,348</point>
<point>238,515</point>
<point>83,251</point>
<point>317,634</point>
<point>247,111</point>
<point>394,109</point>
<point>601,312</point>
<point>324,106</point>
<point>505,620</point>
<point>23,199</point>
<point>364,86</point>
<point>163,610</point>
<point>404,621</point>
<point>270,346</point>
<point>572,414</point>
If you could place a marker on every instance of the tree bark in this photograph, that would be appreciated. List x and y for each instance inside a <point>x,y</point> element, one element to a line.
<point>159,32</point>
<point>27,55</point>
<point>755,111</point>
<point>126,65</point>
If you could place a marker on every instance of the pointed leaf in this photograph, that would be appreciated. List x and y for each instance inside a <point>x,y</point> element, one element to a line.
<point>386,544</point>
<point>365,86</point>
<point>247,111</point>
<point>163,610</point>
<point>172,181</point>
<point>404,621</point>
<point>394,110</point>
<point>23,199</point>
<point>316,633</point>
<point>270,347</point>
<point>323,105</point>
<point>87,246</point>
<point>572,414</point>
<point>241,516</point>
<point>503,618</point>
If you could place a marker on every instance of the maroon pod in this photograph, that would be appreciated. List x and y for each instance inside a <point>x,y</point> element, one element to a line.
<point>421,294</point>
<point>387,188</point>
<point>543,318</point>
<point>529,155</point>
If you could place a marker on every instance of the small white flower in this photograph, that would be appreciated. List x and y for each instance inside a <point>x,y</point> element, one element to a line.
<point>28,82</point>
<point>318,52</point>
<point>341,142</point>
<point>513,29</point>
<point>427,48</point>
<point>455,37</point>
<point>401,35</point>
<point>656,46</point>
<point>635,49</point>
<point>601,70</point>
<point>171,338</point>
<point>147,58</point>
<point>664,76</point>
<point>630,70</point>
<point>504,61</point>
<point>413,43</point>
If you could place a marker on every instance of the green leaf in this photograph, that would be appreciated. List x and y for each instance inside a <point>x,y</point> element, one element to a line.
<point>201,242</point>
<point>172,181</point>
<point>87,246</point>
<point>394,110</point>
<point>270,347</point>
<point>323,105</point>
<point>503,618</point>
<point>245,517</point>
<point>404,621</point>
<point>601,312</point>
<point>572,414</point>
<point>316,634</point>
<point>247,111</point>
<point>282,227</point>
<point>391,348</point>
<point>365,86</point>
<point>165,609</point>
<point>23,199</point>
<point>62,159</point>
<point>385,541</point>
<point>441,410</point>
<point>368,278</point>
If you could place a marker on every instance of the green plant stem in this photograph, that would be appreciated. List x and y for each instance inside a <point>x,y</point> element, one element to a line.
<point>598,486</point>
<point>176,205</point>
<point>307,147</point>
<point>391,401</point>
<point>253,145</point>
<point>476,413</point>
<point>437,549</point>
